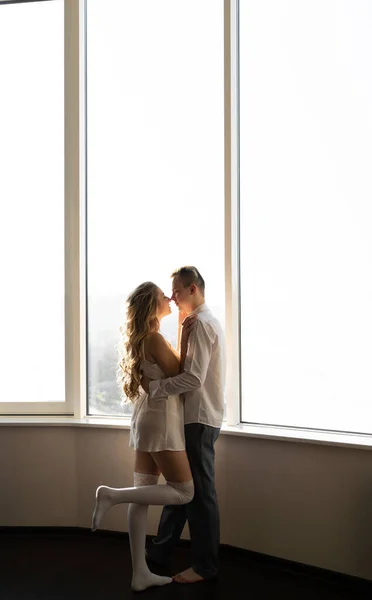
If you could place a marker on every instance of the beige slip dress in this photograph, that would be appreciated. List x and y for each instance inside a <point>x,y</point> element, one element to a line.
<point>157,425</point>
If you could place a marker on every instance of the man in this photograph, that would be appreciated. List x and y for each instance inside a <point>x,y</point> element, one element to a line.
<point>202,383</point>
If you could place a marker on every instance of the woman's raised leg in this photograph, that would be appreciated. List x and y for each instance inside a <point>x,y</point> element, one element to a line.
<point>180,491</point>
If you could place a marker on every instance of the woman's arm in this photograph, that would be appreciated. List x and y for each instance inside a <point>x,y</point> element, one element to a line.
<point>163,354</point>
<point>183,357</point>
<point>157,348</point>
<point>197,362</point>
<point>181,317</point>
<point>187,326</point>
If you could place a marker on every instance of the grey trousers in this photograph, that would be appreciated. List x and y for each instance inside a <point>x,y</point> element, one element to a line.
<point>201,513</point>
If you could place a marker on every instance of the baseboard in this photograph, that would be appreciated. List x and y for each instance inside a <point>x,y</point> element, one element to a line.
<point>348,582</point>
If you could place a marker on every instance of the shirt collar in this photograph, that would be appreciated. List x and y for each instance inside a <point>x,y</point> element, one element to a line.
<point>199,309</point>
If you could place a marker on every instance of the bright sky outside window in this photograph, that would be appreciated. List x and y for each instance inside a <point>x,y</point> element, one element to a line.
<point>306,213</point>
<point>155,163</point>
<point>32,346</point>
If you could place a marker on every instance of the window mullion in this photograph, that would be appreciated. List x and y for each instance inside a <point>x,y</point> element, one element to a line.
<point>232,269</point>
<point>75,260</point>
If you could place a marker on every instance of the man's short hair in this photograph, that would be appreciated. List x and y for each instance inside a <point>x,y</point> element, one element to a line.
<point>190,275</point>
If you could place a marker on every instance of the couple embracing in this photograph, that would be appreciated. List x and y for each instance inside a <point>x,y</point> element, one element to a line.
<point>178,396</point>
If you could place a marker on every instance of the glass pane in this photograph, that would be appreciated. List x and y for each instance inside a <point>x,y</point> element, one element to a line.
<point>306,214</point>
<point>155,163</point>
<point>32,344</point>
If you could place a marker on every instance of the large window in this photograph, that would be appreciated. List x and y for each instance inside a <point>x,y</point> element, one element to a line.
<point>32,317</point>
<point>235,136</point>
<point>155,158</point>
<point>306,213</point>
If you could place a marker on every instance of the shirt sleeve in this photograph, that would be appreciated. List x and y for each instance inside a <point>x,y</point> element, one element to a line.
<point>196,365</point>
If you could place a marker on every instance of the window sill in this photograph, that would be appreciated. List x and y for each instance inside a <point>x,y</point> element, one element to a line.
<point>309,436</point>
<point>55,421</point>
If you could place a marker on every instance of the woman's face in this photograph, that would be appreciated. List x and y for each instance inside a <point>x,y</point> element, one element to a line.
<point>164,308</point>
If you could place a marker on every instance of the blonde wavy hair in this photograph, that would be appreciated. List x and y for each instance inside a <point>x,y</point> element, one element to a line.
<point>141,318</point>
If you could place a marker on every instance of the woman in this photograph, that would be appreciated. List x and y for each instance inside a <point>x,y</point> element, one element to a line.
<point>157,427</point>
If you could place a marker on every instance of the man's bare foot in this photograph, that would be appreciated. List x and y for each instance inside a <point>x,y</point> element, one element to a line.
<point>188,576</point>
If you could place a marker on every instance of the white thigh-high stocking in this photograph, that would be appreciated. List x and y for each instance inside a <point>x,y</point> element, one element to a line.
<point>170,493</point>
<point>142,577</point>
<point>144,493</point>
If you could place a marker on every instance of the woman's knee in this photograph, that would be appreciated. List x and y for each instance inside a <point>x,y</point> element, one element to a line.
<point>185,490</point>
<point>142,479</point>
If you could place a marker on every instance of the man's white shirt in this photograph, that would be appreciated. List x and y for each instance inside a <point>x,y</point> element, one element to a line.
<point>203,379</point>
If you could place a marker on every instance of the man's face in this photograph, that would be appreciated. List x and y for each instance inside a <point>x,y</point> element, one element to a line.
<point>180,294</point>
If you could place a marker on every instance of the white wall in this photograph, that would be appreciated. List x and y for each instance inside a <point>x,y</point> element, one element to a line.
<point>300,501</point>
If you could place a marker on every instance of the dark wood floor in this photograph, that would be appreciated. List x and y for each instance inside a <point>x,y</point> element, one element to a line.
<point>75,564</point>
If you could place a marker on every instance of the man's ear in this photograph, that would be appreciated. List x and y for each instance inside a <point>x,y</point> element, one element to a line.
<point>192,289</point>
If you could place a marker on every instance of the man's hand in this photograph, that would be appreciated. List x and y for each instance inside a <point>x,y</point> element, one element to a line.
<point>145,383</point>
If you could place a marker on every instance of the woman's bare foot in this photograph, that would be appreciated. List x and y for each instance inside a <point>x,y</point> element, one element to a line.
<point>188,576</point>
